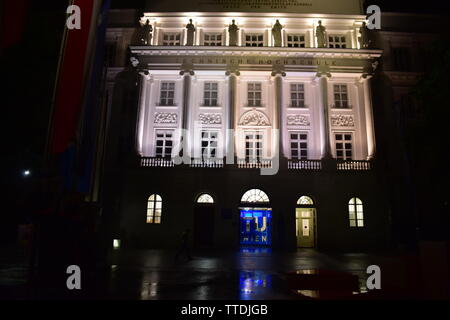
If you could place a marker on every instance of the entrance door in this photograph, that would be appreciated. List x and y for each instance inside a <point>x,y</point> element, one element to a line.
<point>305,225</point>
<point>255,226</point>
<point>204,225</point>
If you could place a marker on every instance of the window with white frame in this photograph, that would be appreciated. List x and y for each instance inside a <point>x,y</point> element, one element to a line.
<point>344,146</point>
<point>163,143</point>
<point>296,40</point>
<point>297,95</point>
<point>209,144</point>
<point>205,198</point>
<point>210,94</point>
<point>254,40</point>
<point>172,39</point>
<point>340,96</point>
<point>212,39</point>
<point>253,146</point>
<point>337,41</point>
<point>254,94</point>
<point>299,145</point>
<point>355,212</point>
<point>167,94</point>
<point>255,196</point>
<point>154,209</point>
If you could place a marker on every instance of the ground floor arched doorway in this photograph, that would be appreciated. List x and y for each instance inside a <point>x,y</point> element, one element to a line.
<point>204,221</point>
<point>255,219</point>
<point>305,223</point>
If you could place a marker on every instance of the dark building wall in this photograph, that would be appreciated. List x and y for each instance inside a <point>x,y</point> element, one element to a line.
<point>179,188</point>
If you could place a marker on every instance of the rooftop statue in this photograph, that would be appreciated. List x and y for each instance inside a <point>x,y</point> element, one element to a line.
<point>320,35</point>
<point>364,39</point>
<point>276,33</point>
<point>232,31</point>
<point>145,34</point>
<point>190,33</point>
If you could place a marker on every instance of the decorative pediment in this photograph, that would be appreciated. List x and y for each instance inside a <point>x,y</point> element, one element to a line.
<point>210,118</point>
<point>254,118</point>
<point>165,117</point>
<point>340,120</point>
<point>297,119</point>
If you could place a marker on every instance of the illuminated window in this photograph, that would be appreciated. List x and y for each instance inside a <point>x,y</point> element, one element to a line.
<point>212,39</point>
<point>355,212</point>
<point>337,41</point>
<point>340,96</point>
<point>253,146</point>
<point>254,40</point>
<point>297,95</point>
<point>171,39</point>
<point>299,145</point>
<point>209,144</point>
<point>254,94</point>
<point>210,94</point>
<point>154,209</point>
<point>163,143</point>
<point>344,146</point>
<point>205,198</point>
<point>167,94</point>
<point>305,200</point>
<point>296,40</point>
<point>255,195</point>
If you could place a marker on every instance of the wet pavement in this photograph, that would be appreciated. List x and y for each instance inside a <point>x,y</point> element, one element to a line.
<point>249,274</point>
<point>245,274</point>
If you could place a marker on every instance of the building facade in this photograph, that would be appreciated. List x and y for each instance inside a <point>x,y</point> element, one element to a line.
<point>247,127</point>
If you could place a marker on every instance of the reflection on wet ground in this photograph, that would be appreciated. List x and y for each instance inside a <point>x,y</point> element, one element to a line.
<point>246,274</point>
<point>249,274</point>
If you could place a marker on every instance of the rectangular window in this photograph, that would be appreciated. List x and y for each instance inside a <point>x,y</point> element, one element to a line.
<point>296,40</point>
<point>402,59</point>
<point>337,41</point>
<point>299,145</point>
<point>344,146</point>
<point>210,94</point>
<point>253,147</point>
<point>209,144</point>
<point>163,143</point>
<point>171,39</point>
<point>212,39</point>
<point>254,40</point>
<point>340,96</point>
<point>297,95</point>
<point>254,94</point>
<point>167,94</point>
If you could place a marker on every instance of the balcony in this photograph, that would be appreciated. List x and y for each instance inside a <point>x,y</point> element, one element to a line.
<point>353,165</point>
<point>304,164</point>
<point>207,163</point>
<point>290,164</point>
<point>156,162</point>
<point>254,164</point>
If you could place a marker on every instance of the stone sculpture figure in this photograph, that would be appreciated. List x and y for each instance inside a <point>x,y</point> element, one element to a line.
<point>147,30</point>
<point>276,33</point>
<point>232,31</point>
<point>364,39</point>
<point>320,35</point>
<point>190,33</point>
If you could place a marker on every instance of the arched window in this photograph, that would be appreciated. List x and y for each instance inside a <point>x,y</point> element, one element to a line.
<point>154,209</point>
<point>255,195</point>
<point>305,200</point>
<point>355,212</point>
<point>205,198</point>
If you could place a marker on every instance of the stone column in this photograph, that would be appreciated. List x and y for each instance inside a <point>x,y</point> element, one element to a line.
<point>369,117</point>
<point>186,72</point>
<point>277,121</point>
<point>232,74</point>
<point>323,103</point>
